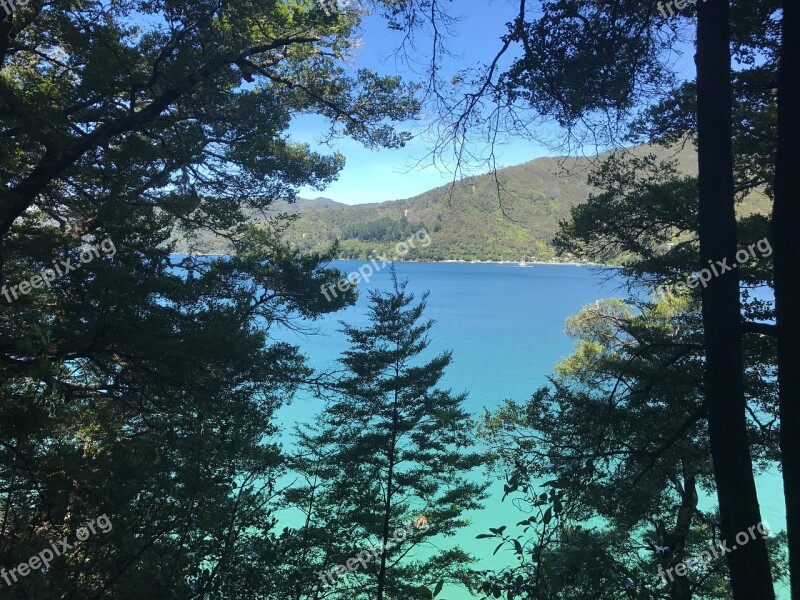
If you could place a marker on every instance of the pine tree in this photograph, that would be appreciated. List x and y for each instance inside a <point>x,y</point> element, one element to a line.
<point>390,450</point>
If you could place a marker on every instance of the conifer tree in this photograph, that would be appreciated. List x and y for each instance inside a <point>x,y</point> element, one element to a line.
<point>392,449</point>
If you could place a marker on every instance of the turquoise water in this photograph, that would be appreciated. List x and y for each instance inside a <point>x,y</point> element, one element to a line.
<point>505,326</point>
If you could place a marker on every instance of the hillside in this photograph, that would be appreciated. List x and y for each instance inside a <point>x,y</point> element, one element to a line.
<point>468,221</point>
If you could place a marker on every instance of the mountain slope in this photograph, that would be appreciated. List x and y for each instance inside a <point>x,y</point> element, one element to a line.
<point>506,217</point>
<point>476,219</point>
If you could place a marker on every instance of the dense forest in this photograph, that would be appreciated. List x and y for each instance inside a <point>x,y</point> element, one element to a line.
<point>141,453</point>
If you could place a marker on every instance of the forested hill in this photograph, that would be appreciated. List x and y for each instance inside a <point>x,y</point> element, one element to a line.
<point>469,222</point>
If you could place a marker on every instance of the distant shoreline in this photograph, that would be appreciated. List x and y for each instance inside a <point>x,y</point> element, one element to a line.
<point>528,263</point>
<point>452,261</point>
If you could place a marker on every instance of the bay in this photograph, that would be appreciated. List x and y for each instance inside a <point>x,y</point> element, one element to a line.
<point>505,326</point>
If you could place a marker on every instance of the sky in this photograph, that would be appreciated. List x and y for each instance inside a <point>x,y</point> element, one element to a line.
<point>381,175</point>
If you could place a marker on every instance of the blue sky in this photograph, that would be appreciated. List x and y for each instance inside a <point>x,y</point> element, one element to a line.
<point>380,175</point>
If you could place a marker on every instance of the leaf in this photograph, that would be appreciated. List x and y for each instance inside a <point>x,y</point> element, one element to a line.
<point>500,545</point>
<point>548,515</point>
<point>424,592</point>
<point>482,536</point>
<point>438,588</point>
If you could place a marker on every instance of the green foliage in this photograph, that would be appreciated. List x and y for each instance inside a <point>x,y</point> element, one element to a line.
<point>383,229</point>
<point>389,447</point>
<point>619,441</point>
<point>145,391</point>
<point>142,384</point>
<point>574,63</point>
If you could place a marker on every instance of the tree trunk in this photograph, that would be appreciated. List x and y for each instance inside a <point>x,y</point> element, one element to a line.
<point>387,513</point>
<point>298,587</point>
<point>786,234</point>
<point>679,585</point>
<point>724,378</point>
<point>682,589</point>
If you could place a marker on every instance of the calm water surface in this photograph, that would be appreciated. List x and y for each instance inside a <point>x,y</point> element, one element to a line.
<point>505,326</point>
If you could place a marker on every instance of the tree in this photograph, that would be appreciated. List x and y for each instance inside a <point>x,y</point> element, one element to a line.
<point>180,105</point>
<point>722,321</point>
<point>569,68</point>
<point>786,217</point>
<point>137,383</point>
<point>617,444</point>
<point>390,449</point>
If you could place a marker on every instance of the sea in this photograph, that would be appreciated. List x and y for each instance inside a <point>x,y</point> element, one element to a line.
<point>504,324</point>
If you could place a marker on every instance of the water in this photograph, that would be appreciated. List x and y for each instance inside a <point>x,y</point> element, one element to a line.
<point>505,326</point>
<point>504,323</point>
